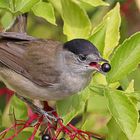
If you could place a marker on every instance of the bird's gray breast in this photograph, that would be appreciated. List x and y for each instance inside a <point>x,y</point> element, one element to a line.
<point>73,83</point>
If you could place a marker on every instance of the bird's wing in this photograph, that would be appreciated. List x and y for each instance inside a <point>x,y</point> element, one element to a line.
<point>16,36</point>
<point>30,59</point>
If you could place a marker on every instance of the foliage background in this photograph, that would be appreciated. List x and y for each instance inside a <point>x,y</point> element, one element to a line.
<point>107,106</point>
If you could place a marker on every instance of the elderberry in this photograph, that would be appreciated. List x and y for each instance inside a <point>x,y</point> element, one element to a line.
<point>46,137</point>
<point>106,67</point>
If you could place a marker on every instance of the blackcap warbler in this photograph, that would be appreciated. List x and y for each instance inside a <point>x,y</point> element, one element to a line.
<point>45,69</point>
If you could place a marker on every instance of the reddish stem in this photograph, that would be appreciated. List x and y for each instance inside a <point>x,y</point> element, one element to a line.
<point>36,128</point>
<point>69,130</point>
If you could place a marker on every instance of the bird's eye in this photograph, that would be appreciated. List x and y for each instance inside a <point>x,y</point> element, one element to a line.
<point>82,57</point>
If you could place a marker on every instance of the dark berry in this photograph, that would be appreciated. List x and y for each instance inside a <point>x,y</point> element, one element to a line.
<point>46,137</point>
<point>106,67</point>
<point>62,139</point>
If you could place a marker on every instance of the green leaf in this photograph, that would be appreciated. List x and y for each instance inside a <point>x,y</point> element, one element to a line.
<point>76,21</point>
<point>136,76</point>
<point>69,107</point>
<point>124,82</point>
<point>57,5</point>
<point>7,20</point>
<point>19,108</point>
<point>130,87</point>
<point>98,89</point>
<point>15,108</point>
<point>98,36</point>
<point>135,96</point>
<point>106,35</point>
<point>125,59</point>
<point>44,10</point>
<point>115,133</point>
<point>123,111</point>
<point>72,106</point>
<point>136,135</point>
<point>4,4</point>
<point>98,104</point>
<point>95,2</point>
<point>22,5</point>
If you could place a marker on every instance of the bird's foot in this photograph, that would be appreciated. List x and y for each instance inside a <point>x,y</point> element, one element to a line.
<point>48,116</point>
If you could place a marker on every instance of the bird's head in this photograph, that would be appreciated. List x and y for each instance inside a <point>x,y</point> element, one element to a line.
<point>81,56</point>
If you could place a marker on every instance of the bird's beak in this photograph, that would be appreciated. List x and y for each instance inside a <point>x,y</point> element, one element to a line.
<point>100,59</point>
<point>96,63</point>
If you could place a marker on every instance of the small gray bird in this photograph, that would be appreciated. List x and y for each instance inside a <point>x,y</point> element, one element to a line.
<point>45,69</point>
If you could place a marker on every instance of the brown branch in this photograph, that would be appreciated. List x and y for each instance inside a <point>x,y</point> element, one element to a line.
<point>20,24</point>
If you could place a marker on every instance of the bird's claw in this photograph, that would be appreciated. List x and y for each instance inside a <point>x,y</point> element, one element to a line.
<point>47,115</point>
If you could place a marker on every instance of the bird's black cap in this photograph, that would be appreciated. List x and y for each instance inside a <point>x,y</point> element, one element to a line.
<point>81,46</point>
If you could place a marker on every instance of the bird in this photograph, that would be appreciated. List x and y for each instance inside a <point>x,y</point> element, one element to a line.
<point>46,69</point>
